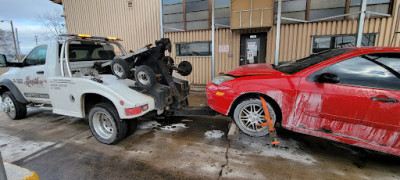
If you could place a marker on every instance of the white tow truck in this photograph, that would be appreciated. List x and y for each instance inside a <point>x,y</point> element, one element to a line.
<point>75,78</point>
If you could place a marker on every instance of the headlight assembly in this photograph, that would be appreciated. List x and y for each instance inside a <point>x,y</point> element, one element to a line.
<point>221,79</point>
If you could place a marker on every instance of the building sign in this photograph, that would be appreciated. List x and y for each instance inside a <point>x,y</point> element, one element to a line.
<point>250,56</point>
<point>223,48</point>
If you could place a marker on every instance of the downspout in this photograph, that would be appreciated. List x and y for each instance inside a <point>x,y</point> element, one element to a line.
<point>161,19</point>
<point>278,32</point>
<point>361,22</point>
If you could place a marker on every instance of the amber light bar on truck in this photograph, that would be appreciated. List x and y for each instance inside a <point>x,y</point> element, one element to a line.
<point>86,36</point>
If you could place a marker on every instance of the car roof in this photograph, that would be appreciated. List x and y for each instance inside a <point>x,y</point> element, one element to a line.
<point>373,49</point>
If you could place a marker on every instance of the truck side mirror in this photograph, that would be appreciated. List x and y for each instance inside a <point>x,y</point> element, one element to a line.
<point>328,78</point>
<point>3,60</point>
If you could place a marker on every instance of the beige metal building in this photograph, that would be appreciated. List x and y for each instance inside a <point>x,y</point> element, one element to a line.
<point>246,29</point>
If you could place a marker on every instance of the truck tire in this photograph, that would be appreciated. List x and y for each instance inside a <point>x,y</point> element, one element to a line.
<point>120,68</point>
<point>145,76</point>
<point>249,113</point>
<point>13,108</point>
<point>105,124</point>
<point>184,68</point>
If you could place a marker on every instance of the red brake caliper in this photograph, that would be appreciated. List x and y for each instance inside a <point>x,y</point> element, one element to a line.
<point>269,123</point>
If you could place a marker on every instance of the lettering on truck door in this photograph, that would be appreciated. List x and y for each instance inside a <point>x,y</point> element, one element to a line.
<point>32,81</point>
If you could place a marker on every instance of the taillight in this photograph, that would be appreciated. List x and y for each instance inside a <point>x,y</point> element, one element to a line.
<point>136,110</point>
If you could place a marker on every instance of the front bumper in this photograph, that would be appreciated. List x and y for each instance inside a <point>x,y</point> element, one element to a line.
<point>220,98</point>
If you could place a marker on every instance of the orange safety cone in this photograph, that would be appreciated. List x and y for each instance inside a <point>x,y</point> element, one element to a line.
<point>269,123</point>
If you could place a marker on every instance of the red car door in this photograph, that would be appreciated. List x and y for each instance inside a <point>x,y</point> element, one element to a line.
<point>331,106</point>
<point>337,99</point>
<point>384,112</point>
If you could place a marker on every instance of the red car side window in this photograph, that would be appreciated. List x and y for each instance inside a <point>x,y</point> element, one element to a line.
<point>365,71</point>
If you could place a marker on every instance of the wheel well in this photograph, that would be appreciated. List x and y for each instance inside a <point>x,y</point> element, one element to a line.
<point>271,101</point>
<point>91,99</point>
<point>3,89</point>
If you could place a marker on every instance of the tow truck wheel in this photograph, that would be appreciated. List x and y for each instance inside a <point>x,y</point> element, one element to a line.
<point>105,124</point>
<point>184,68</point>
<point>13,108</point>
<point>120,68</point>
<point>249,113</point>
<point>145,76</point>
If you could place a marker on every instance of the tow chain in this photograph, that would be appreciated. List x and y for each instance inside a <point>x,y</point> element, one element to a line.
<point>269,123</point>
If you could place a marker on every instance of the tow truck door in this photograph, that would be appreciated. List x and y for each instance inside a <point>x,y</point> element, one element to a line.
<point>32,79</point>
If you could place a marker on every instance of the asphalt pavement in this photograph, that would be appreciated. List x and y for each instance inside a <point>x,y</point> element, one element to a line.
<point>61,147</point>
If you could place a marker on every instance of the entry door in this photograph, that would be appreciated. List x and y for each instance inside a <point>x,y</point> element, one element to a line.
<point>252,48</point>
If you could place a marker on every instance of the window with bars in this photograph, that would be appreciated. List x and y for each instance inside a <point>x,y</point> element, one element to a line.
<point>187,15</point>
<point>322,43</point>
<point>316,9</point>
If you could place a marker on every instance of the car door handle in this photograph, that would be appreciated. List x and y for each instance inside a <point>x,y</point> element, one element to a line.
<point>39,72</point>
<point>388,100</point>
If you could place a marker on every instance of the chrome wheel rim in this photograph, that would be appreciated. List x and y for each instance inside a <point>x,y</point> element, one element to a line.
<point>103,125</point>
<point>252,115</point>
<point>118,70</point>
<point>11,107</point>
<point>143,78</point>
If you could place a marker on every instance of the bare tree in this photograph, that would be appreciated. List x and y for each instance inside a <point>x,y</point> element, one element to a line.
<point>55,24</point>
<point>6,43</point>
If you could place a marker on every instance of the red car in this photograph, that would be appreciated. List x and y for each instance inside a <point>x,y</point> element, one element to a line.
<point>348,95</point>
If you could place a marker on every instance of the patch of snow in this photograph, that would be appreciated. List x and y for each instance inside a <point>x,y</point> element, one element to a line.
<point>288,149</point>
<point>214,134</point>
<point>146,125</point>
<point>174,127</point>
<point>14,148</point>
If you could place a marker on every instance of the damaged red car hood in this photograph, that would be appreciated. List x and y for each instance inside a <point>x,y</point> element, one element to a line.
<point>253,69</point>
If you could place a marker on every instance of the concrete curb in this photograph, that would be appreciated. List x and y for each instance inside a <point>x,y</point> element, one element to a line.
<point>17,172</point>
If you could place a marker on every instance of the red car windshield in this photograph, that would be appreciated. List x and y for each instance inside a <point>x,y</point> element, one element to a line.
<point>298,65</point>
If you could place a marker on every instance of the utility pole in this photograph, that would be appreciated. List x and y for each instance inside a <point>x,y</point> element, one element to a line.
<point>18,46</point>
<point>36,39</point>
<point>15,43</point>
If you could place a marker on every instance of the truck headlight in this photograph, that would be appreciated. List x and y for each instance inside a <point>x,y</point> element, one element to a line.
<point>221,79</point>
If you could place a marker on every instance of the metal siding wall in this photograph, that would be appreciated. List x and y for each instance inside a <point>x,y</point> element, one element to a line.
<point>138,25</point>
<point>202,65</point>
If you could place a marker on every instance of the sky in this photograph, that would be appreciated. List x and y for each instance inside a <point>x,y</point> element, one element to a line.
<point>24,14</point>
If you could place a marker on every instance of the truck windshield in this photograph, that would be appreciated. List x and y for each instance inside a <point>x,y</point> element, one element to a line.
<point>301,64</point>
<point>92,52</point>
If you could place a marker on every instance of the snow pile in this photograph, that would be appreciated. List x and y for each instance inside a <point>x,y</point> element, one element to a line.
<point>214,134</point>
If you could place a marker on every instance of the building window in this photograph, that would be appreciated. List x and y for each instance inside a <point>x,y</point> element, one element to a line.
<point>197,14</point>
<point>222,13</point>
<point>293,9</point>
<point>317,9</point>
<point>322,43</point>
<point>187,15</point>
<point>380,6</point>
<point>193,49</point>
<point>173,15</point>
